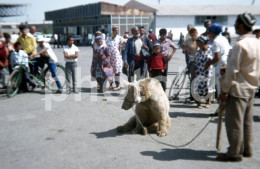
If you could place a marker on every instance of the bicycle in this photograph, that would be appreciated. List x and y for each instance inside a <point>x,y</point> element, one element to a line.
<point>44,79</point>
<point>179,81</point>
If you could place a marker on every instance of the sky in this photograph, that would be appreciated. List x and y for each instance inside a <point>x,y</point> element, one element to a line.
<point>36,8</point>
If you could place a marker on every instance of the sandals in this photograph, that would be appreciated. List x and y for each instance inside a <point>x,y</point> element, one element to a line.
<point>117,88</point>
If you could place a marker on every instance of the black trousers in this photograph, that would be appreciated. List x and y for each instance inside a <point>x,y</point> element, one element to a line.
<point>159,75</point>
<point>26,80</point>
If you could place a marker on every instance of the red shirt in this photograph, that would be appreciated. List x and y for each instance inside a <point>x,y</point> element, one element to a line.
<point>156,62</point>
<point>152,37</point>
<point>2,52</point>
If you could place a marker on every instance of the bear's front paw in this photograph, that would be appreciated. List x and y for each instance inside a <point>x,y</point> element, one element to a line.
<point>161,133</point>
<point>145,131</point>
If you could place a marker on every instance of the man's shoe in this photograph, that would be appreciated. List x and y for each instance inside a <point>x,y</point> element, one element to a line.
<point>32,87</point>
<point>247,155</point>
<point>59,91</point>
<point>226,158</point>
<point>100,91</point>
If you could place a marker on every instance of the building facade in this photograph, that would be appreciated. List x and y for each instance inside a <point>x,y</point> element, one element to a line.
<point>87,19</point>
<point>177,17</point>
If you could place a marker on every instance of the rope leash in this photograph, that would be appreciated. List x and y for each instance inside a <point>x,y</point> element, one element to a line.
<point>171,145</point>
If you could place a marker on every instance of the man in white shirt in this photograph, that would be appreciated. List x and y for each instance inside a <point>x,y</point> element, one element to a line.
<point>55,36</point>
<point>220,49</point>
<point>19,57</point>
<point>71,57</point>
<point>47,55</point>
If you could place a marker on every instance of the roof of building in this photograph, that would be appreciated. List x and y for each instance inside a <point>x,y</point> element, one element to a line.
<point>7,10</point>
<point>188,10</point>
<point>92,10</point>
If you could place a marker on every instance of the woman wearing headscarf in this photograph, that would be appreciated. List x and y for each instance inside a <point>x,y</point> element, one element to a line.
<point>101,69</point>
<point>204,85</point>
<point>220,49</point>
<point>114,43</point>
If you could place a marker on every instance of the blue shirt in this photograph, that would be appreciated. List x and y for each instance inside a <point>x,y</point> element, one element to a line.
<point>19,58</point>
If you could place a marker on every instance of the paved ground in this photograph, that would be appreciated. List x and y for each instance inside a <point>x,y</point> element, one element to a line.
<point>40,130</point>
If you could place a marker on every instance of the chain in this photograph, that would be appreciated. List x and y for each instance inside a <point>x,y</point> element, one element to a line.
<point>171,145</point>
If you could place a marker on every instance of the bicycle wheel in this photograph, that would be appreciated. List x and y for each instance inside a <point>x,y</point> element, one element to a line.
<point>177,85</point>
<point>170,89</point>
<point>50,82</point>
<point>13,83</point>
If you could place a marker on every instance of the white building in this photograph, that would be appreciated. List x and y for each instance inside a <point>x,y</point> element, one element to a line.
<point>177,17</point>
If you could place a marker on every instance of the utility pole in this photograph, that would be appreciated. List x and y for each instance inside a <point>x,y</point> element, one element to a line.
<point>253,2</point>
<point>159,1</point>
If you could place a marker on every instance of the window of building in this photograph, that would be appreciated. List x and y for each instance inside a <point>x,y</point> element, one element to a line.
<point>127,22</point>
<point>199,20</point>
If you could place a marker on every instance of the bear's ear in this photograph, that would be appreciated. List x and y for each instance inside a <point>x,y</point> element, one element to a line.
<point>136,92</point>
<point>126,83</point>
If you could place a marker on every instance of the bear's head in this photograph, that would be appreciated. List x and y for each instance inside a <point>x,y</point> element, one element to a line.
<point>132,95</point>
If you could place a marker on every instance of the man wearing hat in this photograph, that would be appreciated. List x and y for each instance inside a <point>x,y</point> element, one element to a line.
<point>238,85</point>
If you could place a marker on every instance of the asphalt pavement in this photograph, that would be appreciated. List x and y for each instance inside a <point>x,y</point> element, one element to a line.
<point>42,130</point>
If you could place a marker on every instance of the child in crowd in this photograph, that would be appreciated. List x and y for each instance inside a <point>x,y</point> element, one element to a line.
<point>157,64</point>
<point>204,82</point>
<point>101,69</point>
<point>19,57</point>
<point>71,57</point>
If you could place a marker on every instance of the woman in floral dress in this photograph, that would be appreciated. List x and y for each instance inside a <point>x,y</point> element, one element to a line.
<point>204,82</point>
<point>114,43</point>
<point>101,69</point>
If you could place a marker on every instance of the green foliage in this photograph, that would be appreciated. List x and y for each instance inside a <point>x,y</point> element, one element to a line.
<point>47,31</point>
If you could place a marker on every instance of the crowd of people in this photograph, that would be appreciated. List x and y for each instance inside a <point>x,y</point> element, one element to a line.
<point>27,48</point>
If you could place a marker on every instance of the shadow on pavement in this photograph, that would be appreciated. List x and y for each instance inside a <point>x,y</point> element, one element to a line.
<point>86,90</point>
<point>107,134</point>
<point>172,73</point>
<point>3,97</point>
<point>184,114</point>
<point>256,118</point>
<point>106,92</point>
<point>215,120</point>
<point>181,154</point>
<point>183,106</point>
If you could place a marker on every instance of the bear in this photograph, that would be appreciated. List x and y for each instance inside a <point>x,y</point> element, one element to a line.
<point>152,108</point>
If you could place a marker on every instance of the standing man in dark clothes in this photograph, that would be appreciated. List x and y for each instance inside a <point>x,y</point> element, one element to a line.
<point>59,41</point>
<point>152,36</point>
<point>148,43</point>
<point>227,35</point>
<point>132,57</point>
<point>207,24</point>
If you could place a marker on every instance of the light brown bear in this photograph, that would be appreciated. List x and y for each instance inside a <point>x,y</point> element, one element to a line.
<point>152,108</point>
